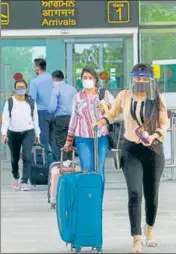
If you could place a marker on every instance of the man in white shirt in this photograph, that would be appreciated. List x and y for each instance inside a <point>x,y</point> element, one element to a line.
<point>19,128</point>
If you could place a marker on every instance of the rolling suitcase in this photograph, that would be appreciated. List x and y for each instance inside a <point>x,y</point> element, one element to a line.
<point>55,170</point>
<point>79,207</point>
<point>40,165</point>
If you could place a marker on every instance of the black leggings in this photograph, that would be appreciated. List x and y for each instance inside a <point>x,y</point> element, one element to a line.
<point>142,168</point>
<point>16,140</point>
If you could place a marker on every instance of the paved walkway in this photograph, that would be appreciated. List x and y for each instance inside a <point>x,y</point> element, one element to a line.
<point>28,225</point>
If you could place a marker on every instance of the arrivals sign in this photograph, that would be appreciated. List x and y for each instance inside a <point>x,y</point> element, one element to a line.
<point>45,14</point>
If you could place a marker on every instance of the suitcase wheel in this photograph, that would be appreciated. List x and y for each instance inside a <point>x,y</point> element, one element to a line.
<point>72,247</point>
<point>99,251</point>
<point>77,249</point>
<point>53,206</point>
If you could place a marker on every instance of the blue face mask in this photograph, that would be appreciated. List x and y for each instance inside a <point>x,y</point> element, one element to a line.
<point>21,91</point>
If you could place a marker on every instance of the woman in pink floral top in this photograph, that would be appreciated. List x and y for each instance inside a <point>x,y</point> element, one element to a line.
<point>87,109</point>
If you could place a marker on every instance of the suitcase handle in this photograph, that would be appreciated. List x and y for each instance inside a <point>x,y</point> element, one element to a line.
<point>96,149</point>
<point>73,160</point>
<point>35,155</point>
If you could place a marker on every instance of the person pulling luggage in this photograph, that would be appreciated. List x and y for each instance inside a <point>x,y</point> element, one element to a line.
<point>146,121</point>
<point>87,109</point>
<point>19,128</point>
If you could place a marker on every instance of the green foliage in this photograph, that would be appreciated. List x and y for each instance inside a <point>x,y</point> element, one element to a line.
<point>20,60</point>
<point>158,46</point>
<point>152,12</point>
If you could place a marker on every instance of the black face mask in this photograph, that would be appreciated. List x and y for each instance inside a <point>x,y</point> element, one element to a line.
<point>140,86</point>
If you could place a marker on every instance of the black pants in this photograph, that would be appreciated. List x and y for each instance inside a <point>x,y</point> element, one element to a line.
<point>16,140</point>
<point>61,130</point>
<point>47,136</point>
<point>142,168</point>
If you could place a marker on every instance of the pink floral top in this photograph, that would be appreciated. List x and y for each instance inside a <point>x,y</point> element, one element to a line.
<point>86,112</point>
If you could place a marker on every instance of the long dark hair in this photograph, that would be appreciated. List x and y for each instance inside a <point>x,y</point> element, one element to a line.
<point>26,85</point>
<point>152,107</point>
<point>92,72</point>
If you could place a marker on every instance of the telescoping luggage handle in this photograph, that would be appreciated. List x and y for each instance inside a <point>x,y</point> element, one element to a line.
<point>96,149</point>
<point>35,147</point>
<point>72,169</point>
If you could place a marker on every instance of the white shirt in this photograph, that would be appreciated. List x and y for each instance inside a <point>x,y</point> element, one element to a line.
<point>21,119</point>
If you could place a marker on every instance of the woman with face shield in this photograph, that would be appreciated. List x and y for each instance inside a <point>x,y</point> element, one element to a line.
<point>145,121</point>
<point>87,109</point>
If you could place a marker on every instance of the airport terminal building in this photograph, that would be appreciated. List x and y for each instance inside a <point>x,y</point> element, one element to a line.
<point>111,36</point>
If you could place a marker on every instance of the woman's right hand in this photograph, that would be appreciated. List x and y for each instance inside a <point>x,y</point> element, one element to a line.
<point>4,139</point>
<point>67,147</point>
<point>100,123</point>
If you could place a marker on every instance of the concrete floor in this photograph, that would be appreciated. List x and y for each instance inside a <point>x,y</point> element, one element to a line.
<point>28,225</point>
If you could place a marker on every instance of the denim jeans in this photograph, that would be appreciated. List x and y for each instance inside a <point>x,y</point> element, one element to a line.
<point>85,149</point>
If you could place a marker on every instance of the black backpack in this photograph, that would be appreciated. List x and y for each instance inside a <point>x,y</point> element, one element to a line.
<point>29,100</point>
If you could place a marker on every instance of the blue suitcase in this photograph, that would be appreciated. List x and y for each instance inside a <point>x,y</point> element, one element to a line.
<point>79,208</point>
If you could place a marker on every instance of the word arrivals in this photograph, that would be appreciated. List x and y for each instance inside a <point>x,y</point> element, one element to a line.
<point>57,22</point>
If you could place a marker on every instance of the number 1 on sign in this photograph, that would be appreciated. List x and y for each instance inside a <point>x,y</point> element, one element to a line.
<point>119,13</point>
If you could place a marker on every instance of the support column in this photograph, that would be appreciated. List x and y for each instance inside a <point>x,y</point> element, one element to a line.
<point>55,55</point>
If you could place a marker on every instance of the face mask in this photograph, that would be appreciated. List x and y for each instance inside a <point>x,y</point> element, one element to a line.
<point>21,91</point>
<point>55,83</point>
<point>141,86</point>
<point>88,83</point>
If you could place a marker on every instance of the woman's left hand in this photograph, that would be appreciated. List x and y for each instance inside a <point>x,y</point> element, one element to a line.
<point>151,139</point>
<point>101,108</point>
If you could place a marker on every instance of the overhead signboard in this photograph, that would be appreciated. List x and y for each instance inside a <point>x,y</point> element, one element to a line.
<point>47,14</point>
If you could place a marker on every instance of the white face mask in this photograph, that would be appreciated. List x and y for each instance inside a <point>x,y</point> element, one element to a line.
<point>88,83</point>
<point>55,83</point>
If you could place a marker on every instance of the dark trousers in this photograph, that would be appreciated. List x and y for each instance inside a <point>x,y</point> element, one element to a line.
<point>16,141</point>
<point>143,169</point>
<point>61,130</point>
<point>47,136</point>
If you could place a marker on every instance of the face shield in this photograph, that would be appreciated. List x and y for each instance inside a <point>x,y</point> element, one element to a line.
<point>143,82</point>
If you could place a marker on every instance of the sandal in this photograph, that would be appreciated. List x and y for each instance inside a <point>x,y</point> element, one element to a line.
<point>137,244</point>
<point>150,241</point>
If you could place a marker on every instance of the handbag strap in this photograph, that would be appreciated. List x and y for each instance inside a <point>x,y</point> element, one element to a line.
<point>120,131</point>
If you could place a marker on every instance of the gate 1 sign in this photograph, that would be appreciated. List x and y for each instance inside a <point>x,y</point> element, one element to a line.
<point>45,14</point>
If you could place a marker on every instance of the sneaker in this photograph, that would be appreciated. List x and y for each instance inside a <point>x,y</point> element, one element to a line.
<point>15,184</point>
<point>25,187</point>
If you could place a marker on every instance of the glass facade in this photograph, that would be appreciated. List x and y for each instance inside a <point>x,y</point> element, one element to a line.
<point>18,56</point>
<point>113,56</point>
<point>157,12</point>
<point>159,44</point>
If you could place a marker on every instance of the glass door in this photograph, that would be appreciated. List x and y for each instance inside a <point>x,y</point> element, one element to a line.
<point>112,59</point>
